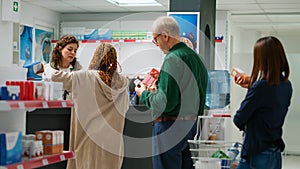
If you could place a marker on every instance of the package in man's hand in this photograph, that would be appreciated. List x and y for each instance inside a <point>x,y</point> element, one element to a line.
<point>150,80</point>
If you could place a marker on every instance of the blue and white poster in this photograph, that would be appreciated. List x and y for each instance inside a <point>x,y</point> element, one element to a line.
<point>189,27</point>
<point>43,46</point>
<point>25,45</point>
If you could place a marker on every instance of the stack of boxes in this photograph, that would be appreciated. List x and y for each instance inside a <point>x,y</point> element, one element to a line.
<point>31,90</point>
<point>53,141</point>
<point>31,147</point>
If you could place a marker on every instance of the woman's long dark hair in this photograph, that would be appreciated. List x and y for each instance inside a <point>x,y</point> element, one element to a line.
<point>270,62</point>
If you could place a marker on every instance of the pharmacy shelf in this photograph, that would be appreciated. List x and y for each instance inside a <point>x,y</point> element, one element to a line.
<point>122,41</point>
<point>41,161</point>
<point>113,41</point>
<point>34,104</point>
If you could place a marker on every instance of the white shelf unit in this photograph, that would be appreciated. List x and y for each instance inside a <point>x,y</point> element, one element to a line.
<point>13,116</point>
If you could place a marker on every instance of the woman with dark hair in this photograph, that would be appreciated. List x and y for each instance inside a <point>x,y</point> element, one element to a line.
<point>263,111</point>
<point>100,97</point>
<point>64,53</point>
<point>64,58</point>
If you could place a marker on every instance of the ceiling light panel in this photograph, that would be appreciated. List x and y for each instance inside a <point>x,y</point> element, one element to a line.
<point>134,2</point>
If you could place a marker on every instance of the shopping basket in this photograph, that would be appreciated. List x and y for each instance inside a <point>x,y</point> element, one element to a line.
<point>211,154</point>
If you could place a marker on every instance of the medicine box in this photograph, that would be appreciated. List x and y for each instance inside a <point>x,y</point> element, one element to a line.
<point>52,140</point>
<point>38,90</point>
<point>10,93</point>
<point>10,147</point>
<point>56,91</point>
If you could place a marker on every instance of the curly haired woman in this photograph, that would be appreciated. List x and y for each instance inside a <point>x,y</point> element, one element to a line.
<point>100,95</point>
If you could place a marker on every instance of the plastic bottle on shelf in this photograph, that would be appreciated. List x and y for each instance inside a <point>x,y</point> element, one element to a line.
<point>233,151</point>
<point>218,89</point>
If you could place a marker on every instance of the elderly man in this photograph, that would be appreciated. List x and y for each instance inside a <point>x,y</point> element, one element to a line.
<point>178,99</point>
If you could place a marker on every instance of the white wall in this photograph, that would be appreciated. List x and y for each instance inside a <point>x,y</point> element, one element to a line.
<point>221,48</point>
<point>6,38</point>
<point>36,16</point>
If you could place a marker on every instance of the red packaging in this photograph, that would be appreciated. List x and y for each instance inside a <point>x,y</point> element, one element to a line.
<point>22,90</point>
<point>29,90</point>
<point>154,73</point>
<point>150,80</point>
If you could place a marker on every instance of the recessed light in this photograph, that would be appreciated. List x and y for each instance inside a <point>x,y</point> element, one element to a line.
<point>134,2</point>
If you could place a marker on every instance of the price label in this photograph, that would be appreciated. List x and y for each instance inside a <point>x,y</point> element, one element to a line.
<point>45,162</point>
<point>62,157</point>
<point>45,105</point>
<point>21,105</point>
<point>20,167</point>
<point>63,104</point>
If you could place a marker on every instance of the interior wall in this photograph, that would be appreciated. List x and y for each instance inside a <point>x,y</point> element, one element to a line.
<point>6,47</point>
<point>31,15</point>
<point>222,47</point>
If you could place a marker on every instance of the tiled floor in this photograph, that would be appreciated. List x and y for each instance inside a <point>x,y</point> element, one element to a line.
<point>290,162</point>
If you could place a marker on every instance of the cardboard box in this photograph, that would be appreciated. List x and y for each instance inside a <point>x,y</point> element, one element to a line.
<point>56,91</point>
<point>10,147</point>
<point>38,89</point>
<point>52,141</point>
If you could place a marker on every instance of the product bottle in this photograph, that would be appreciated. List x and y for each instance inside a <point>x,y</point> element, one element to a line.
<point>218,89</point>
<point>233,151</point>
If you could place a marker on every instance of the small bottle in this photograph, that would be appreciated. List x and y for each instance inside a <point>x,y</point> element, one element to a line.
<point>233,151</point>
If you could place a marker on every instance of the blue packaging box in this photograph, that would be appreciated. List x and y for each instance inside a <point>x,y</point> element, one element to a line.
<point>10,147</point>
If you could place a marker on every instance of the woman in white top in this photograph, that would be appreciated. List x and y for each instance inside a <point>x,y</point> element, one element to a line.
<point>64,58</point>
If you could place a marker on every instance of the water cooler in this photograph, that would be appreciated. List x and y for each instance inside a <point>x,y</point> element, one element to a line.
<point>217,101</point>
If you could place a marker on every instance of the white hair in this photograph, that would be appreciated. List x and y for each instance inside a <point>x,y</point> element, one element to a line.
<point>166,24</point>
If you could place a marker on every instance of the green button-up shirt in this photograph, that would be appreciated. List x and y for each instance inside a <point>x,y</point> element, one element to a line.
<point>181,85</point>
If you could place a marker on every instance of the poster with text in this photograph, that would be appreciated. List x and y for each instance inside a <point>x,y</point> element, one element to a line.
<point>25,45</point>
<point>43,47</point>
<point>189,27</point>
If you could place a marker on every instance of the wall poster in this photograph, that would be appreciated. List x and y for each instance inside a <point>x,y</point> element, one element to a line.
<point>43,47</point>
<point>25,45</point>
<point>189,27</point>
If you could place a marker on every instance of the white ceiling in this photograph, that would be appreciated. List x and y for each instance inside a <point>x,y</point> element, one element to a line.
<point>273,15</point>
